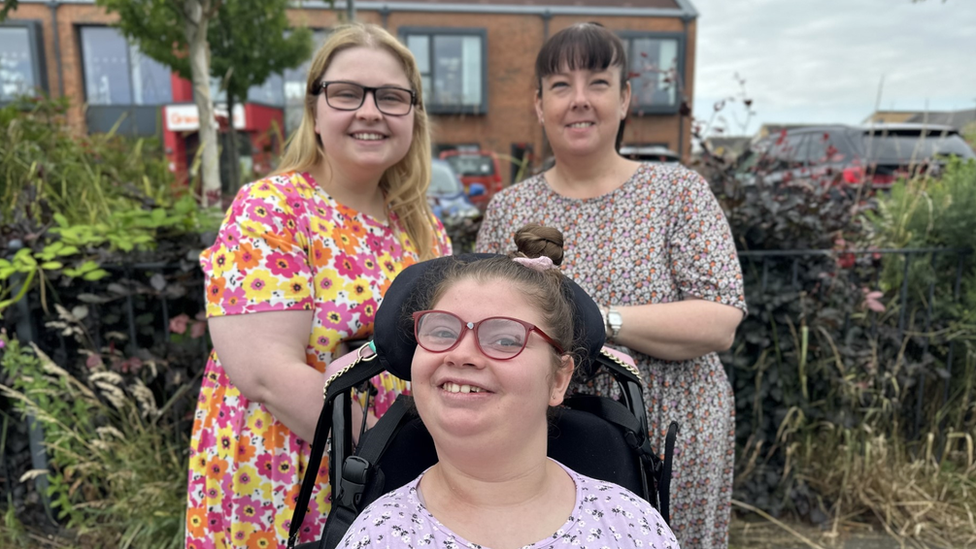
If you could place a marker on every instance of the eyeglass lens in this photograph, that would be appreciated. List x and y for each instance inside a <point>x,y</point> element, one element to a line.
<point>498,338</point>
<point>349,96</point>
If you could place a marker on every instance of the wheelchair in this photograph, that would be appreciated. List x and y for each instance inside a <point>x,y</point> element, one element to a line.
<point>597,436</point>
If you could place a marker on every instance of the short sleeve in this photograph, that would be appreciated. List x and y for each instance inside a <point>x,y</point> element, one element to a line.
<point>259,261</point>
<point>442,242</point>
<point>704,263</point>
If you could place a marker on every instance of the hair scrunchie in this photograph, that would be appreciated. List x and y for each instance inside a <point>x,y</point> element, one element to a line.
<point>540,264</point>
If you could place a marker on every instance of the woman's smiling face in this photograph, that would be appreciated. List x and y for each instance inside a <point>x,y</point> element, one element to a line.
<point>364,142</point>
<point>463,393</point>
<point>581,109</point>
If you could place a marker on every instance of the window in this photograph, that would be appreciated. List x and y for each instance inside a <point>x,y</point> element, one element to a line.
<point>117,73</point>
<point>657,70</point>
<point>452,65</point>
<point>21,60</point>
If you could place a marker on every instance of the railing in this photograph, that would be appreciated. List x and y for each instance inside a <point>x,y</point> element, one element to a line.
<point>138,300</point>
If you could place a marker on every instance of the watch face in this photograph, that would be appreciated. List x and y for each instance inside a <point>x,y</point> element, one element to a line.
<point>615,320</point>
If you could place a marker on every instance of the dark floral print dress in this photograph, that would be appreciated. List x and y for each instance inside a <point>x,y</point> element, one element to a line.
<point>660,237</point>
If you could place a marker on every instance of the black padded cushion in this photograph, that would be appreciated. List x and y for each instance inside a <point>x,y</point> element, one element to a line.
<point>393,335</point>
<point>584,442</point>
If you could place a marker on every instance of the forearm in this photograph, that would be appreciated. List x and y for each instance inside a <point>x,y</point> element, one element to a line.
<point>294,397</point>
<point>678,331</point>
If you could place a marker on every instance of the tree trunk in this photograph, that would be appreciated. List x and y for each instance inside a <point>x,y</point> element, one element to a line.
<point>196,37</point>
<point>235,158</point>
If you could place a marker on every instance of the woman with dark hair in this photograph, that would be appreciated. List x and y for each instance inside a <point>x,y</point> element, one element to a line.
<point>650,244</point>
<point>494,354</point>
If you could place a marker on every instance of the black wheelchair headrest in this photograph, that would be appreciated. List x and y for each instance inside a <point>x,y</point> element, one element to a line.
<point>394,339</point>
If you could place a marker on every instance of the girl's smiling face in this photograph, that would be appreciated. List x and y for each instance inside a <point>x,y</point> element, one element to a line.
<point>462,393</point>
<point>364,142</point>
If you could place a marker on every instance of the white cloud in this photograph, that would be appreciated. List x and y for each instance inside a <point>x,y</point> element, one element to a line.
<point>822,61</point>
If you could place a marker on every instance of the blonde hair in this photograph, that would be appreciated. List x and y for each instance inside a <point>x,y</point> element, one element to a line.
<point>405,183</point>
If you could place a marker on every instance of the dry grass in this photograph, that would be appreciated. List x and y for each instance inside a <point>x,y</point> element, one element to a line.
<point>924,499</point>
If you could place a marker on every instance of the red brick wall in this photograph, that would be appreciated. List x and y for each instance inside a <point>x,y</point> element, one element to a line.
<point>513,41</point>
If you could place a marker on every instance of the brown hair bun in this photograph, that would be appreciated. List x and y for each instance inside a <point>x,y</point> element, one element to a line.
<point>534,240</point>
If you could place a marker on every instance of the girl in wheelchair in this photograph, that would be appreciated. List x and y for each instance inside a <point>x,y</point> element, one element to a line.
<point>496,349</point>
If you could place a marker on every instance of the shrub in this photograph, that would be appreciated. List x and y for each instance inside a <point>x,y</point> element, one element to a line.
<point>838,378</point>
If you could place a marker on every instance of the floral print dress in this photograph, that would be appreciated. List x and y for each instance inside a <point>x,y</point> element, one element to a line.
<point>284,245</point>
<point>658,238</point>
<point>605,515</point>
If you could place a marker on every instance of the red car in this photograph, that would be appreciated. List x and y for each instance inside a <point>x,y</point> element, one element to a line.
<point>476,167</point>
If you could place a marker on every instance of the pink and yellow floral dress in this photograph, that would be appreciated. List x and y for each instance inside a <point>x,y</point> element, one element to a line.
<point>284,245</point>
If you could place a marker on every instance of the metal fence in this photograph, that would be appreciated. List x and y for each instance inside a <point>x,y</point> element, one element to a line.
<point>138,300</point>
<point>143,292</point>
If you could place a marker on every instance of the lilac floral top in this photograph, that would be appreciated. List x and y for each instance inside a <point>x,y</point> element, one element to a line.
<point>605,516</point>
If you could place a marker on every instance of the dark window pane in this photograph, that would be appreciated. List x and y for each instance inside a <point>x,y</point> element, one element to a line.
<point>16,68</point>
<point>419,45</point>
<point>654,63</point>
<point>106,65</point>
<point>906,147</point>
<point>457,70</point>
<point>151,80</point>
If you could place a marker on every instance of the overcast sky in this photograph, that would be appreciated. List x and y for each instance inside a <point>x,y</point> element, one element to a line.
<point>823,60</point>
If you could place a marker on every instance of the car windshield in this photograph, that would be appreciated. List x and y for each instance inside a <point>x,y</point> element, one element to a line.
<point>469,164</point>
<point>443,180</point>
<point>901,147</point>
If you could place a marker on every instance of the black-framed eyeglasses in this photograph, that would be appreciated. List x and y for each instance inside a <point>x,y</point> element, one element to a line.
<point>498,337</point>
<point>349,96</point>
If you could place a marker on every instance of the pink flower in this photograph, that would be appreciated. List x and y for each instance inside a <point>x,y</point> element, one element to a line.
<point>283,265</point>
<point>264,465</point>
<point>250,510</point>
<point>334,315</point>
<point>282,469</point>
<point>346,266</point>
<point>367,311</point>
<point>93,361</point>
<point>234,301</point>
<point>177,324</point>
<point>871,300</point>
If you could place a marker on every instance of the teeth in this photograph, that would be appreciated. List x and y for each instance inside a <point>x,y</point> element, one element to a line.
<point>368,136</point>
<point>455,388</point>
<point>581,125</point>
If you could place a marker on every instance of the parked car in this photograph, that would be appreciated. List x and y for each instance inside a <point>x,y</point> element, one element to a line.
<point>447,197</point>
<point>848,155</point>
<point>654,153</point>
<point>479,166</point>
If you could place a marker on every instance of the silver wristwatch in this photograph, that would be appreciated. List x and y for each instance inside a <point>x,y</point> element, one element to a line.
<point>614,322</point>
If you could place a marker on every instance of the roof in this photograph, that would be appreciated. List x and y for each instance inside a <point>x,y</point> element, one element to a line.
<point>770,129</point>
<point>633,8</point>
<point>957,119</point>
<point>728,144</point>
<point>671,4</point>
<point>906,126</point>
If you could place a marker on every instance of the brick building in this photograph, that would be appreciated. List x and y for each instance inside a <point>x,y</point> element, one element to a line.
<point>476,56</point>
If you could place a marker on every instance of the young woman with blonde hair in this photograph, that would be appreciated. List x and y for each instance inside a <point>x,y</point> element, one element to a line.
<point>299,266</point>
